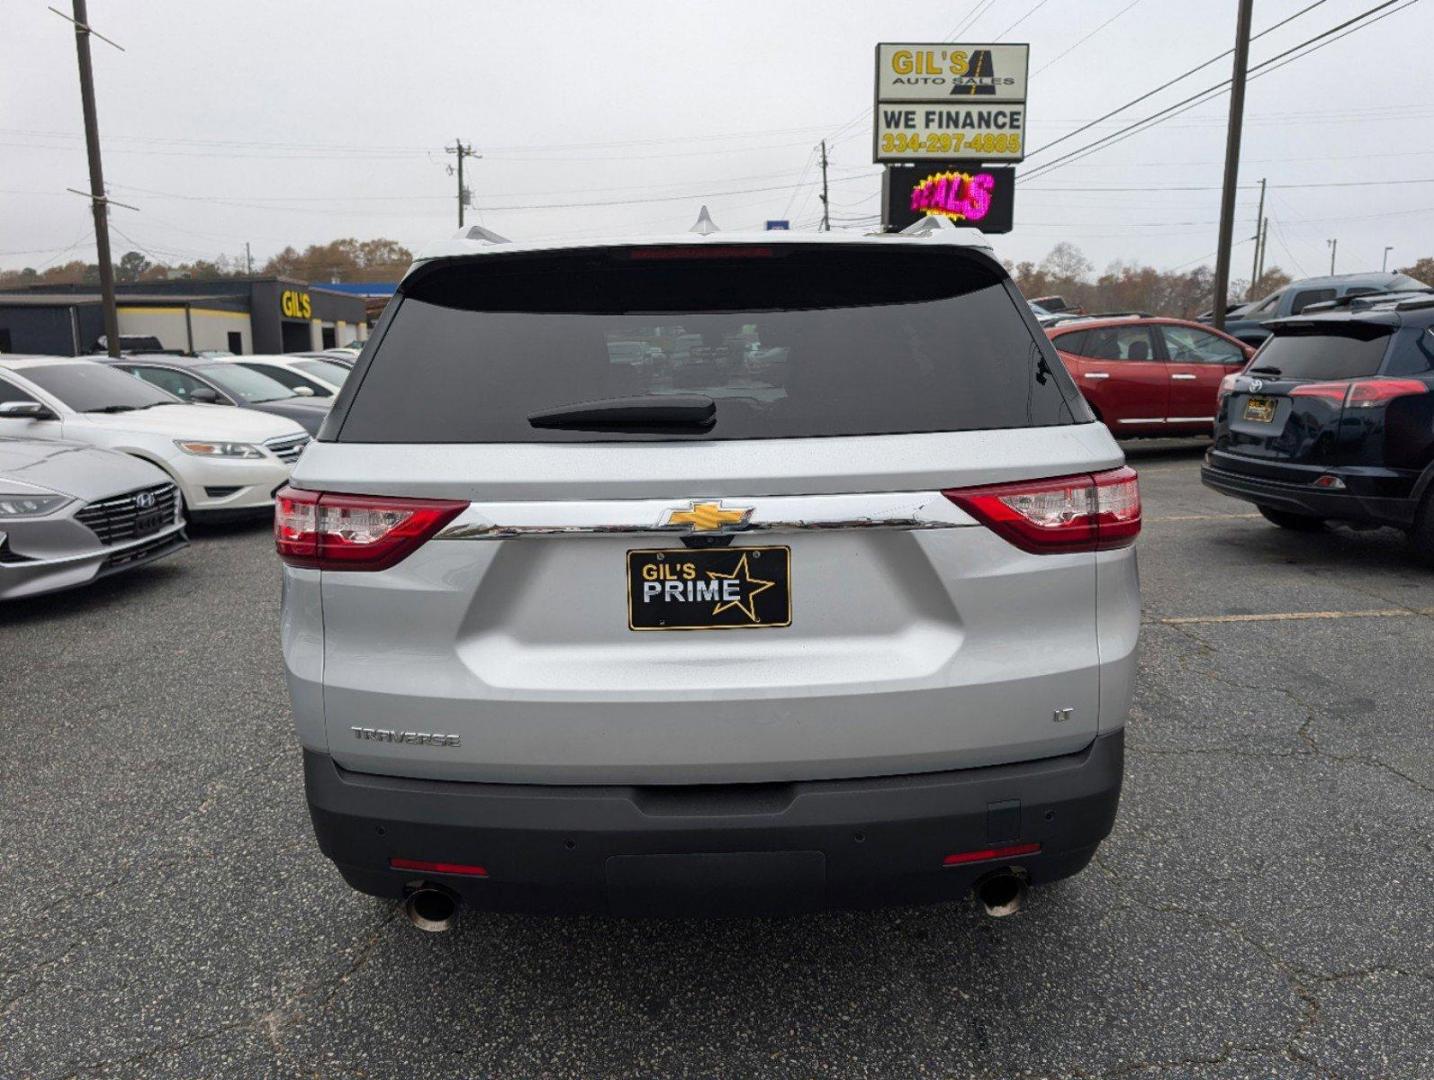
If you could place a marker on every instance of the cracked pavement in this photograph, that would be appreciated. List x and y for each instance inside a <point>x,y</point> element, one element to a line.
<point>1263,908</point>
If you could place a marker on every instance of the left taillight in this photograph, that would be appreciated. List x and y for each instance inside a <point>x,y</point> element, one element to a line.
<point>336,531</point>
<point>1089,512</point>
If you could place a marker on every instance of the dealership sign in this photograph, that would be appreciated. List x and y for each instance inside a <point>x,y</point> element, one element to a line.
<point>295,304</point>
<point>950,101</point>
<point>965,192</point>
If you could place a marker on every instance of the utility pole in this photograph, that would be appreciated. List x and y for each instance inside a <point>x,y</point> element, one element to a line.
<point>98,201</point>
<point>1333,247</point>
<point>462,152</point>
<point>1264,248</point>
<point>248,260</point>
<point>1384,262</point>
<point>826,210</point>
<point>1255,269</point>
<point>1232,161</point>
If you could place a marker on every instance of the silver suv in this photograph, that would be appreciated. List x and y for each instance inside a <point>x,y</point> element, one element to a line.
<point>709,574</point>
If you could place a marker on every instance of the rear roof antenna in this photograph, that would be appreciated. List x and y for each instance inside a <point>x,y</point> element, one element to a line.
<point>705,225</point>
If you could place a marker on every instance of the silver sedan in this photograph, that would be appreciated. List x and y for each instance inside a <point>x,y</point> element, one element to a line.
<point>70,514</point>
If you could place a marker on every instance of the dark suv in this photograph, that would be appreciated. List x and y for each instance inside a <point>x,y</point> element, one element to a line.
<point>1334,419</point>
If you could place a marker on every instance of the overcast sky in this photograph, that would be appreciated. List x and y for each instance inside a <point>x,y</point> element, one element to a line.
<point>298,122</point>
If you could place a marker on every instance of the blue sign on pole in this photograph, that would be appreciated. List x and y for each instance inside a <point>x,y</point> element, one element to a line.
<point>778,225</point>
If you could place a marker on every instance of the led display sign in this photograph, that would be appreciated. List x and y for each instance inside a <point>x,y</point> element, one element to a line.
<point>966,192</point>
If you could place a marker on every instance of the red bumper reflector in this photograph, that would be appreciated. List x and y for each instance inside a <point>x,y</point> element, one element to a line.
<point>1010,851</point>
<point>465,869</point>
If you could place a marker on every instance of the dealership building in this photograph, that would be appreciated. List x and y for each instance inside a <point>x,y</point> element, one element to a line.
<point>240,315</point>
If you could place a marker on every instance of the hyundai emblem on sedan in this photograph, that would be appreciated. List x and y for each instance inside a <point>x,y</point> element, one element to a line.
<point>144,500</point>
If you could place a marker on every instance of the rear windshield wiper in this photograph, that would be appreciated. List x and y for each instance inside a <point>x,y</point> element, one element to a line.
<point>1266,370</point>
<point>631,413</point>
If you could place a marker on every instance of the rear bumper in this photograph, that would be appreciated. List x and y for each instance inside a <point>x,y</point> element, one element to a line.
<point>1355,503</point>
<point>714,849</point>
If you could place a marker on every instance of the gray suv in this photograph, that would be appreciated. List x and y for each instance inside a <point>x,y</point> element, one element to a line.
<point>825,595</point>
<point>1250,322</point>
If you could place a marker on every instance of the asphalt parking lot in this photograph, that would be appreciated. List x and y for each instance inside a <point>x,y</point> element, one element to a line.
<point>1263,909</point>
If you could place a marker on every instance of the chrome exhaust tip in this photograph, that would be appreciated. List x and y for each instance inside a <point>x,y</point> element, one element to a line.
<point>1002,894</point>
<point>431,909</point>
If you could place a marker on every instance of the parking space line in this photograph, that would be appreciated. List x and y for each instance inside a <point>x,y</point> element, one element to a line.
<point>1198,517</point>
<point>1298,616</point>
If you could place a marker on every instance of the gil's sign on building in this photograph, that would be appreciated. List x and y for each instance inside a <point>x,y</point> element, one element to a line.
<point>950,101</point>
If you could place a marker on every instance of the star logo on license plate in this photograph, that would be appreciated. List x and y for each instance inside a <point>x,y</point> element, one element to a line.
<point>751,588</point>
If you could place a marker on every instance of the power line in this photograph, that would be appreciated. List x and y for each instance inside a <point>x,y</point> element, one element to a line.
<point>961,27</point>
<point>1062,55</point>
<point>1264,67</point>
<point>1039,4</point>
<point>685,196</point>
<point>1166,85</point>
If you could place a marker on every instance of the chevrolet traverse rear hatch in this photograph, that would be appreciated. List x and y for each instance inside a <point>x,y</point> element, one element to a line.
<point>709,514</point>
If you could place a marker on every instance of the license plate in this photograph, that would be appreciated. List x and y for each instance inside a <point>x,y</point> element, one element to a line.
<point>736,588</point>
<point>148,522</point>
<point>1260,409</point>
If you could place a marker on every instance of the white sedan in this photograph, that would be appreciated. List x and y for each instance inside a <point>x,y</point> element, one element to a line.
<point>224,460</point>
<point>322,377</point>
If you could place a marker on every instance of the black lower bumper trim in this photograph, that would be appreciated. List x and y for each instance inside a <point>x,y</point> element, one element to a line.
<point>144,553</point>
<point>733,848</point>
<point>1314,502</point>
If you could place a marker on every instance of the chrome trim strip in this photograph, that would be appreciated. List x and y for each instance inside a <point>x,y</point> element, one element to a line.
<point>1144,420</point>
<point>1184,377</point>
<point>901,511</point>
<point>1189,419</point>
<point>1097,374</point>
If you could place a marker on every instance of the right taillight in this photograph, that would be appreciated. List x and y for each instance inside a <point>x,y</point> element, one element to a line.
<point>337,531</point>
<point>1361,393</point>
<point>1068,513</point>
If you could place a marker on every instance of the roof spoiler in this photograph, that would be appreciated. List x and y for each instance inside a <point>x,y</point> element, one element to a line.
<point>477,232</point>
<point>942,230</point>
<point>465,241</point>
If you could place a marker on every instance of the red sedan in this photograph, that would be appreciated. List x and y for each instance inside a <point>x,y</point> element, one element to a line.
<point>1149,376</point>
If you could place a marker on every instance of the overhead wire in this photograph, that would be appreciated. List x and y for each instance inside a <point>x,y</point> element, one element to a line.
<point>1166,85</point>
<point>1062,55</point>
<point>1326,37</point>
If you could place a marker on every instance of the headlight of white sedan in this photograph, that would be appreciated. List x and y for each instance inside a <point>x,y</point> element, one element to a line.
<point>219,449</point>
<point>24,506</point>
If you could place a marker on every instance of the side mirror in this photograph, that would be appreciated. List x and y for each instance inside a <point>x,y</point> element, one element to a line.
<point>304,391</point>
<point>204,396</point>
<point>25,410</point>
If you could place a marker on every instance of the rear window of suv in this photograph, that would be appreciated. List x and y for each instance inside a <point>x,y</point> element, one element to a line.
<point>1340,351</point>
<point>788,342</point>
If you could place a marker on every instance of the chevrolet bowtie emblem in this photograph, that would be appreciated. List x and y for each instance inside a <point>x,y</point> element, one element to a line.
<point>707,516</point>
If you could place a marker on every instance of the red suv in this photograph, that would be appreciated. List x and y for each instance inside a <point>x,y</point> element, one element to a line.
<point>1149,376</point>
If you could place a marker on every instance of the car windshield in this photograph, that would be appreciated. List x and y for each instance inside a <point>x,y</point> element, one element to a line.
<point>89,387</point>
<point>323,369</point>
<point>244,385</point>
